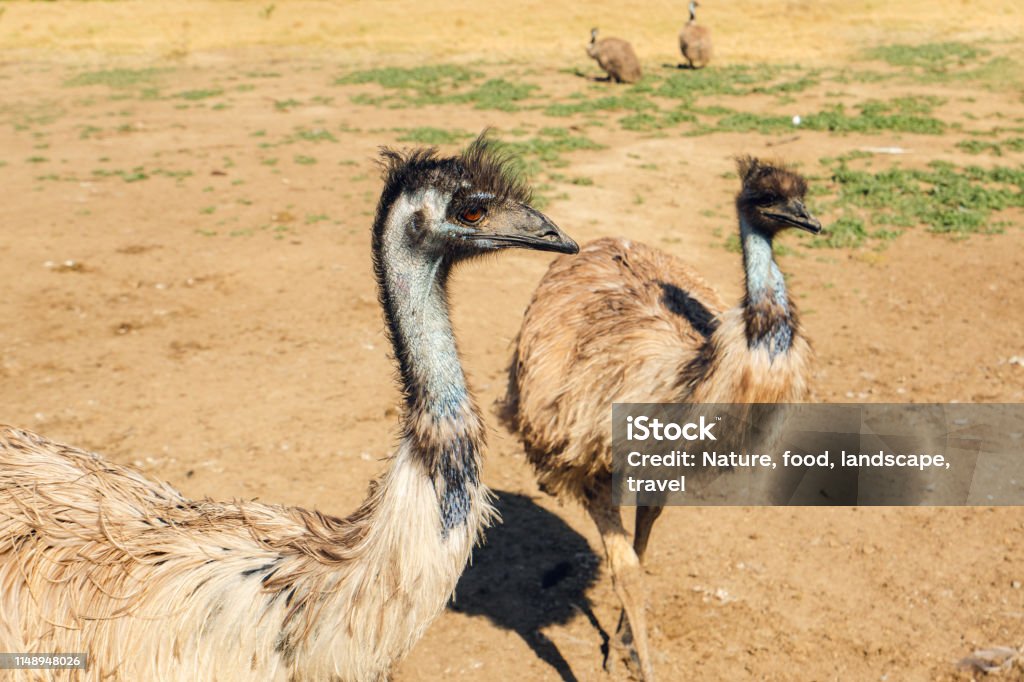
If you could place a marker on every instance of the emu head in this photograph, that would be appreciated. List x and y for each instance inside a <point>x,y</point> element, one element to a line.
<point>693,9</point>
<point>593,36</point>
<point>772,197</point>
<point>447,209</point>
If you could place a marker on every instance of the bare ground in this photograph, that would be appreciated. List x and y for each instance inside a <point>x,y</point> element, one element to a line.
<point>220,329</point>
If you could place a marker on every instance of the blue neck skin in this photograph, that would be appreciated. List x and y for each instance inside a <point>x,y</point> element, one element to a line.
<point>431,371</point>
<point>766,288</point>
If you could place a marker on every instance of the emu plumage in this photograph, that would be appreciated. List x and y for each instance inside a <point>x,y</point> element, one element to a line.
<point>625,322</point>
<point>97,558</point>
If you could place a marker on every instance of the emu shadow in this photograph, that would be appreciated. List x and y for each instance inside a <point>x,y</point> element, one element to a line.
<point>592,78</point>
<point>532,571</point>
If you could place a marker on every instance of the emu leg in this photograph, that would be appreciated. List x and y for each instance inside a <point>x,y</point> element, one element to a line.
<point>645,518</point>
<point>627,579</point>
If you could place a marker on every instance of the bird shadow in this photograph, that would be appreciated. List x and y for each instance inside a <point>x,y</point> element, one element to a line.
<point>532,571</point>
<point>592,78</point>
<point>679,65</point>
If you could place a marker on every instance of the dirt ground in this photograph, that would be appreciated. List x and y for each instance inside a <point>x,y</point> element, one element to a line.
<point>186,286</point>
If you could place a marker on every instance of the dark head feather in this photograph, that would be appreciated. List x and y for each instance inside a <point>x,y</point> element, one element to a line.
<point>489,168</point>
<point>768,178</point>
<point>483,167</point>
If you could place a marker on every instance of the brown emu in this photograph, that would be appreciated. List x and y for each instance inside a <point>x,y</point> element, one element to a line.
<point>616,57</point>
<point>96,558</point>
<point>624,322</point>
<point>695,40</point>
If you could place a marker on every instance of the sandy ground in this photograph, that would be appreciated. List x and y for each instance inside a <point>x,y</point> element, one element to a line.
<point>220,329</point>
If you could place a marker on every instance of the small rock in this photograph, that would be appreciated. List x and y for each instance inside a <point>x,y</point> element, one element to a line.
<point>67,266</point>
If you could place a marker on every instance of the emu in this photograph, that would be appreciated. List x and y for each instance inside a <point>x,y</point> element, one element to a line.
<point>97,558</point>
<point>616,57</point>
<point>625,322</point>
<point>695,40</point>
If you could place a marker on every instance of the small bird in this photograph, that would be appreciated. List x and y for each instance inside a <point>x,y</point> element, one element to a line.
<point>695,40</point>
<point>97,558</point>
<point>624,322</point>
<point>616,57</point>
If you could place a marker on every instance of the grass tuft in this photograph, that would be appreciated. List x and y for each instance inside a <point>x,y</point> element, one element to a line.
<point>433,136</point>
<point>944,197</point>
<point>425,78</point>
<point>114,78</point>
<point>931,56</point>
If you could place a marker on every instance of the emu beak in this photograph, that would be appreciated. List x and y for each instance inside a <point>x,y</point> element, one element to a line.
<point>524,227</point>
<point>794,213</point>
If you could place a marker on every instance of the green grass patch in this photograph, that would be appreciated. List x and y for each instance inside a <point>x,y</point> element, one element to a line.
<point>433,136</point>
<point>438,84</point>
<point>286,104</point>
<point>533,155</point>
<point>931,56</point>
<point>496,93</point>
<point>312,135</point>
<point>195,95</point>
<point>140,173</point>
<point>629,102</point>
<point>645,121</point>
<point>432,79</point>
<point>951,62</point>
<point>902,115</point>
<point>739,79</point>
<point>944,197</point>
<point>547,148</point>
<point>114,78</point>
<point>1013,144</point>
<point>844,232</point>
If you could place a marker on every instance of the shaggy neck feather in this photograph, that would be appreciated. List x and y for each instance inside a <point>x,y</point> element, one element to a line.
<point>441,424</point>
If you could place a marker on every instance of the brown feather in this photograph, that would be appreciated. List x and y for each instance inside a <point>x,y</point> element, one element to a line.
<point>624,322</point>
<point>617,58</point>
<point>96,558</point>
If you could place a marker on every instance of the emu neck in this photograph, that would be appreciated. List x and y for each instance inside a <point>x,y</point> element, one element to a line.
<point>767,311</point>
<point>441,425</point>
<point>431,373</point>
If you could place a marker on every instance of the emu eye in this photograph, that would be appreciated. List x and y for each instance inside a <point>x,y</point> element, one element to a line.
<point>473,215</point>
<point>769,199</point>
